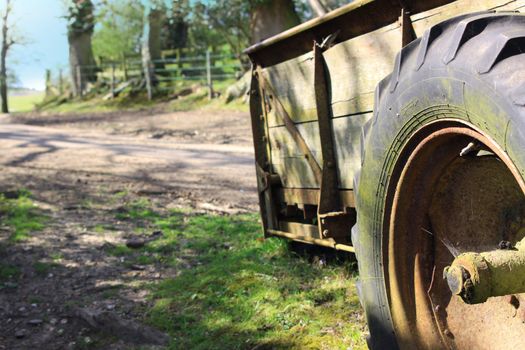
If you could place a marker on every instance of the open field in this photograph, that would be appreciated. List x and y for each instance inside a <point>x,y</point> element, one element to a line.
<point>179,188</point>
<point>24,102</point>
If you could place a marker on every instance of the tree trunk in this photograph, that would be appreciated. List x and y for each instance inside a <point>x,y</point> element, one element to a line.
<point>6,43</point>
<point>267,18</point>
<point>318,7</point>
<point>82,63</point>
<point>155,22</point>
<point>271,17</point>
<point>3,71</point>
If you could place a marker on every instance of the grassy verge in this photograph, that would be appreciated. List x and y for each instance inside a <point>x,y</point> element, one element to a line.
<point>20,215</point>
<point>238,291</point>
<point>95,104</point>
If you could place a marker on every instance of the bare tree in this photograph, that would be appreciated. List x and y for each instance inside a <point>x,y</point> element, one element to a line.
<point>7,42</point>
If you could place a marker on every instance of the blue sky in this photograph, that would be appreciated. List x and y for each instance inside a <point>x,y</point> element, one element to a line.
<point>40,22</point>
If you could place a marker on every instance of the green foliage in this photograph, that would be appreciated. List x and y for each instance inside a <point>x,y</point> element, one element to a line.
<point>215,23</point>
<point>119,29</point>
<point>21,215</point>
<point>176,26</point>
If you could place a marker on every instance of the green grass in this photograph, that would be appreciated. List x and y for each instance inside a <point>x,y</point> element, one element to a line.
<point>93,104</point>
<point>24,103</point>
<point>43,268</point>
<point>8,272</point>
<point>238,291</point>
<point>21,216</point>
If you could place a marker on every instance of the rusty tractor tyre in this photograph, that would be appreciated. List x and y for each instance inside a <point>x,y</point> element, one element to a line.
<point>443,172</point>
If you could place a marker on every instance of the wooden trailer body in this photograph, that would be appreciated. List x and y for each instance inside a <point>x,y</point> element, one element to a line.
<point>312,93</point>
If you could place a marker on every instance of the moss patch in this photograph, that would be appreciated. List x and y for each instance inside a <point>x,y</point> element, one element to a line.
<point>21,215</point>
<point>236,290</point>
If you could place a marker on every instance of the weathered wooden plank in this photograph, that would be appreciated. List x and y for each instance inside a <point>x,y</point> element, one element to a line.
<point>347,135</point>
<point>308,231</point>
<point>295,172</point>
<point>282,145</point>
<point>357,18</point>
<point>354,67</point>
<point>286,157</point>
<point>422,21</point>
<point>293,196</point>
<point>293,84</point>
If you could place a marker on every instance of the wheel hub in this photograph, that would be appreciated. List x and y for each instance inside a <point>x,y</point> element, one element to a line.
<point>457,192</point>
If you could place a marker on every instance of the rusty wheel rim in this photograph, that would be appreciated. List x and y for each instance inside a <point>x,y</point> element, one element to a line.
<point>444,204</point>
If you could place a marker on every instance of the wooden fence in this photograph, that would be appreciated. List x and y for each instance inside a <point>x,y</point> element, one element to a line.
<point>162,75</point>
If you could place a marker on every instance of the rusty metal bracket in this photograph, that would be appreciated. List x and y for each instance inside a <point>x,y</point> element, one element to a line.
<point>408,33</point>
<point>291,127</point>
<point>333,221</point>
<point>329,200</point>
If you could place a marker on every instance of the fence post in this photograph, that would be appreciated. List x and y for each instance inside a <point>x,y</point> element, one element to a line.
<point>79,81</point>
<point>60,82</point>
<point>125,67</point>
<point>112,79</point>
<point>48,82</point>
<point>146,63</point>
<point>208,75</point>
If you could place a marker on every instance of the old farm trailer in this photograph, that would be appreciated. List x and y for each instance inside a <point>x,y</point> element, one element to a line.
<point>396,130</point>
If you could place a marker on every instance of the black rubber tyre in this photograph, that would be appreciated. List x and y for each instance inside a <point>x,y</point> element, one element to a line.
<point>468,70</point>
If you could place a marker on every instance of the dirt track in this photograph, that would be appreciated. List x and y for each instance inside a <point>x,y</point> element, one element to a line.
<point>203,157</point>
<point>74,167</point>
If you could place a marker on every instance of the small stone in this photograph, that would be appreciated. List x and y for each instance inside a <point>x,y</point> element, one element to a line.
<point>53,321</point>
<point>227,245</point>
<point>110,306</point>
<point>63,321</point>
<point>135,243</point>
<point>505,245</point>
<point>157,233</point>
<point>35,322</point>
<point>138,267</point>
<point>513,300</point>
<point>60,331</point>
<point>34,305</point>
<point>10,285</point>
<point>22,309</point>
<point>19,334</point>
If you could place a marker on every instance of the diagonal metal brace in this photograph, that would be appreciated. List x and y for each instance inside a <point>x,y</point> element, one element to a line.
<point>291,128</point>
